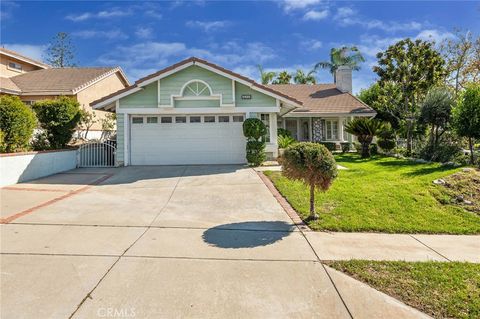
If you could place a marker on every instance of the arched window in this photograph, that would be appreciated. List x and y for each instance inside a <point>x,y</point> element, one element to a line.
<point>196,88</point>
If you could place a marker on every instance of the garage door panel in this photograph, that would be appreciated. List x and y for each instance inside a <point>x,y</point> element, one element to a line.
<point>187,143</point>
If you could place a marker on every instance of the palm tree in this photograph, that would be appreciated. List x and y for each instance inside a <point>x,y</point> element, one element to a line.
<point>283,78</point>
<point>266,77</point>
<point>364,129</point>
<point>301,78</point>
<point>341,57</point>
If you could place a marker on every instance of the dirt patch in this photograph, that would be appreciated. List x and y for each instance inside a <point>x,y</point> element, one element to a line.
<point>463,189</point>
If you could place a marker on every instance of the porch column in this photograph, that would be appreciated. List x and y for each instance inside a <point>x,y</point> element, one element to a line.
<point>340,128</point>
<point>299,131</point>
<point>310,129</point>
<point>273,132</point>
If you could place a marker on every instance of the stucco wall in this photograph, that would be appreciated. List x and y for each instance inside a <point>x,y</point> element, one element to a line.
<point>5,71</point>
<point>23,167</point>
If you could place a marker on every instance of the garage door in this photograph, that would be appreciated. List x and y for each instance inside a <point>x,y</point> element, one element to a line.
<point>187,139</point>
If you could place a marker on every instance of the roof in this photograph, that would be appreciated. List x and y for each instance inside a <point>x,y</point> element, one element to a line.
<point>67,81</point>
<point>20,57</point>
<point>323,99</point>
<point>7,86</point>
<point>195,60</point>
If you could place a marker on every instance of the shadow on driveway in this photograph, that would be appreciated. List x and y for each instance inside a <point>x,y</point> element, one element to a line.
<point>231,235</point>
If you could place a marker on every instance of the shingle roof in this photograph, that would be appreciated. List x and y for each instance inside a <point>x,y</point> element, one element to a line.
<point>323,99</point>
<point>7,86</point>
<point>61,80</point>
<point>24,58</point>
<point>207,63</point>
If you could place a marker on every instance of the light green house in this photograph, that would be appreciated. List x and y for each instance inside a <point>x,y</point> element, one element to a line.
<point>192,113</point>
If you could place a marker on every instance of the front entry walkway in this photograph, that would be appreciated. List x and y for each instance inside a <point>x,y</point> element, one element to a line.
<point>162,242</point>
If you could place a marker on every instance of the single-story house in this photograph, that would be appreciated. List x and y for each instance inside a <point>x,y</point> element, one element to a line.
<point>192,113</point>
<point>32,81</point>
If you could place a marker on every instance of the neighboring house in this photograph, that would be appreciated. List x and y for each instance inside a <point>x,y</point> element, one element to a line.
<point>32,81</point>
<point>192,113</point>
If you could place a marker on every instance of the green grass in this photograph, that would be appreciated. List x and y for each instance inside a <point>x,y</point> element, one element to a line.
<point>381,194</point>
<point>440,289</point>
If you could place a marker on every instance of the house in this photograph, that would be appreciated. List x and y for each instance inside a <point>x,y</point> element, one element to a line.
<point>32,81</point>
<point>192,113</point>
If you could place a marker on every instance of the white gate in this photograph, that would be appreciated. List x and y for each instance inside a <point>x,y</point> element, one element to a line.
<point>97,154</point>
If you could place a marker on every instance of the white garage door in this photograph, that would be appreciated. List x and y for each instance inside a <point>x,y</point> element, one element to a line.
<point>187,139</point>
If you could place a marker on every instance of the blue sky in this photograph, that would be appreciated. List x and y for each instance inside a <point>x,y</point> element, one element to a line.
<point>143,37</point>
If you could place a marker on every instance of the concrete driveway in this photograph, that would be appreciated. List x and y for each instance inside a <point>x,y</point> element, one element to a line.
<point>163,242</point>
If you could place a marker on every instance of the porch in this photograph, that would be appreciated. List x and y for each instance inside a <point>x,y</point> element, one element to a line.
<point>316,129</point>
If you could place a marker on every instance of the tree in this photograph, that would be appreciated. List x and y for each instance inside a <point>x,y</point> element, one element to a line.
<point>108,124</point>
<point>266,77</point>
<point>414,66</point>
<point>462,56</point>
<point>435,112</point>
<point>17,123</point>
<point>365,129</point>
<point>61,52</point>
<point>283,78</point>
<point>58,118</point>
<point>312,164</point>
<point>344,56</point>
<point>301,78</point>
<point>467,116</point>
<point>87,120</point>
<point>254,130</point>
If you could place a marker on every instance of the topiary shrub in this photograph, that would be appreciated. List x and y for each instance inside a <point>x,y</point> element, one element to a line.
<point>386,145</point>
<point>254,129</point>
<point>331,146</point>
<point>312,164</point>
<point>58,118</point>
<point>17,123</point>
<point>346,147</point>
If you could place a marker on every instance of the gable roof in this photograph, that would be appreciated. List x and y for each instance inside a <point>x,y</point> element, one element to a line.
<point>62,81</point>
<point>8,86</point>
<point>323,99</point>
<point>23,58</point>
<point>204,64</point>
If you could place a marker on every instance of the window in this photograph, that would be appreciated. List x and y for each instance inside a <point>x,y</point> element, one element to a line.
<point>15,66</point>
<point>331,130</point>
<point>209,119</point>
<point>180,119</point>
<point>166,119</point>
<point>197,89</point>
<point>224,119</point>
<point>152,119</point>
<point>137,120</point>
<point>238,118</point>
<point>266,120</point>
<point>195,119</point>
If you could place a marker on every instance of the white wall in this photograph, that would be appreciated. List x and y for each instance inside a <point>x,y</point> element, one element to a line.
<point>16,168</point>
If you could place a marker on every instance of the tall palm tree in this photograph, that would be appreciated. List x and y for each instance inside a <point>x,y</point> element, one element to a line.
<point>283,78</point>
<point>301,78</point>
<point>267,77</point>
<point>344,56</point>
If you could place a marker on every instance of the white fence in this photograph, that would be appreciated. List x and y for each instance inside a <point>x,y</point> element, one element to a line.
<point>96,154</point>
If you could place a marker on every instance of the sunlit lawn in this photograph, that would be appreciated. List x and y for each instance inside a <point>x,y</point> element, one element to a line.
<point>382,194</point>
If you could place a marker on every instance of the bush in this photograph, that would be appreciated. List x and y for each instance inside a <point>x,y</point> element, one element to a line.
<point>3,146</point>
<point>254,130</point>
<point>346,146</point>
<point>40,141</point>
<point>312,164</point>
<point>373,149</point>
<point>386,145</point>
<point>284,132</point>
<point>331,146</point>
<point>17,123</point>
<point>447,150</point>
<point>285,141</point>
<point>58,118</point>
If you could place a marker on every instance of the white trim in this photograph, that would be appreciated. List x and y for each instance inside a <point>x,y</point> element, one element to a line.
<point>100,78</point>
<point>39,64</point>
<point>197,110</point>
<point>117,97</point>
<point>165,74</point>
<point>126,139</point>
<point>233,92</point>
<point>3,90</point>
<point>326,115</point>
<point>182,90</point>
<point>48,93</point>
<point>158,93</point>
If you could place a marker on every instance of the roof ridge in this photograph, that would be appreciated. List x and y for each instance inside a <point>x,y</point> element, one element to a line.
<point>21,56</point>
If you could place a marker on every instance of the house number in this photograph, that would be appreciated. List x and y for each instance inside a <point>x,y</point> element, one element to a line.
<point>246,96</point>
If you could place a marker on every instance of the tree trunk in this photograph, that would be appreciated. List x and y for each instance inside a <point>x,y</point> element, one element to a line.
<point>365,150</point>
<point>470,145</point>
<point>313,215</point>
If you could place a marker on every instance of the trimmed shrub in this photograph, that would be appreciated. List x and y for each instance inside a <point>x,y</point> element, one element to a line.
<point>285,141</point>
<point>284,132</point>
<point>386,145</point>
<point>17,122</point>
<point>3,146</point>
<point>331,146</point>
<point>254,130</point>
<point>58,118</point>
<point>346,147</point>
<point>312,164</point>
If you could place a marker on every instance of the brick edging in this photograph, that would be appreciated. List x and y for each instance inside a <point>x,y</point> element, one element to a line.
<point>284,203</point>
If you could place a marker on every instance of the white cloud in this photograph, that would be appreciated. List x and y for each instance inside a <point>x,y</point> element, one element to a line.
<point>315,15</point>
<point>144,32</point>
<point>36,52</point>
<point>208,26</point>
<point>291,5</point>
<point>311,44</point>
<point>434,35</point>
<point>89,34</point>
<point>105,14</point>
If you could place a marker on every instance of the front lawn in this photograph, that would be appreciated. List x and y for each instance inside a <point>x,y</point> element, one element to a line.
<point>381,194</point>
<point>440,289</point>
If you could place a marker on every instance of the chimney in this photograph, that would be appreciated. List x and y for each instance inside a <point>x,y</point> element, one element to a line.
<point>343,79</point>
